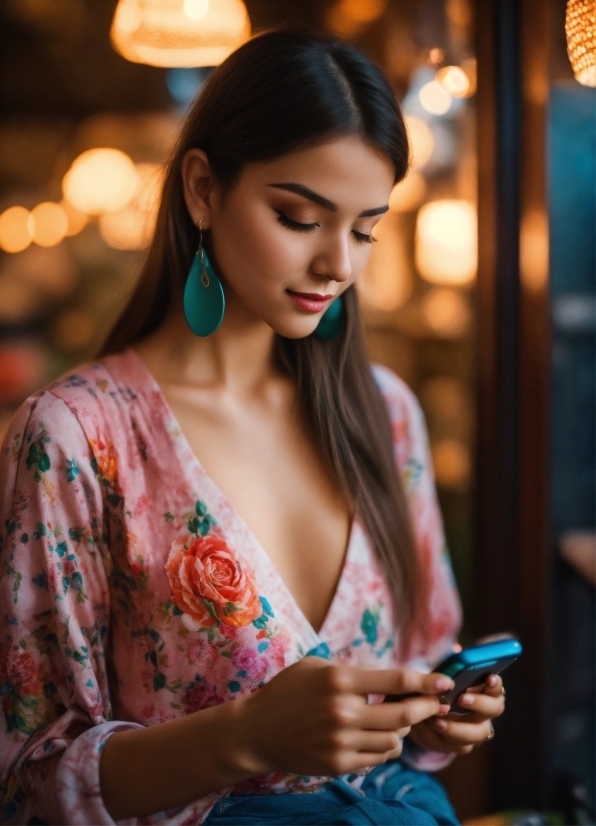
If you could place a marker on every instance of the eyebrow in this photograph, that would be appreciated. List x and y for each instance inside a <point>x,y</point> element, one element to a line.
<point>305,192</point>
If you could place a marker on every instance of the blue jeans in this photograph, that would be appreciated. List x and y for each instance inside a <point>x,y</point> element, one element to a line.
<point>390,794</point>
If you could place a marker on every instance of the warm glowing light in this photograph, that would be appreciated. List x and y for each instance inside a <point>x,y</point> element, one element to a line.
<point>451,462</point>
<point>195,9</point>
<point>580,27</point>
<point>363,11</point>
<point>15,229</point>
<point>533,249</point>
<point>446,312</point>
<point>421,139</point>
<point>172,33</point>
<point>455,81</point>
<point>408,194</point>
<point>49,224</point>
<point>386,283</point>
<point>434,99</point>
<point>101,180</point>
<point>436,56</point>
<point>446,242</point>
<point>77,220</point>
<point>132,228</point>
<point>346,17</point>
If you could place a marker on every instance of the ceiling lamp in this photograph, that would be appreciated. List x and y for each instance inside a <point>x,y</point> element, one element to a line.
<point>173,33</point>
<point>580,26</point>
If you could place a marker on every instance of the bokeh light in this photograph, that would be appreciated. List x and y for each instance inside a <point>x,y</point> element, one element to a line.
<point>132,228</point>
<point>100,180</point>
<point>421,140</point>
<point>387,281</point>
<point>408,194</point>
<point>77,220</point>
<point>446,312</point>
<point>434,99</point>
<point>452,464</point>
<point>49,224</point>
<point>455,81</point>
<point>172,33</point>
<point>446,242</point>
<point>15,229</point>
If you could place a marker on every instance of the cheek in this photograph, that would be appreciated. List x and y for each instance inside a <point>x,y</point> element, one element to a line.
<point>256,251</point>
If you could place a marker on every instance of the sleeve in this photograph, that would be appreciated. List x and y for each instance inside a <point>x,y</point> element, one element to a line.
<point>443,614</point>
<point>54,606</point>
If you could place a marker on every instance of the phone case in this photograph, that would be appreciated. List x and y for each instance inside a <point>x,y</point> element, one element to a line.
<point>471,666</point>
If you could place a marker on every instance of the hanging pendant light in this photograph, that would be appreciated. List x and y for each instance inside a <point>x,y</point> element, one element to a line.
<point>580,27</point>
<point>171,33</point>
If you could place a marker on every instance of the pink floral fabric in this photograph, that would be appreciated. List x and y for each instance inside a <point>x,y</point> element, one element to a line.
<point>132,593</point>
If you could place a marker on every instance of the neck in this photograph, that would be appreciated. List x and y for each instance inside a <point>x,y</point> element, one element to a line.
<point>238,357</point>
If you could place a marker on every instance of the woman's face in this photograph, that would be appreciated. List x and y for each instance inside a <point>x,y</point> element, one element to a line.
<point>296,232</point>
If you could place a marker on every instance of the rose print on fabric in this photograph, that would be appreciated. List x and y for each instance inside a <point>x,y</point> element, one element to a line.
<point>210,584</point>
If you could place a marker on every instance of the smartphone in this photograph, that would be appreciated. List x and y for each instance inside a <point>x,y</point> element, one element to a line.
<point>471,666</point>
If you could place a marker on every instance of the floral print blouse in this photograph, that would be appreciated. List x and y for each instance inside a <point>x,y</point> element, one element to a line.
<point>132,593</point>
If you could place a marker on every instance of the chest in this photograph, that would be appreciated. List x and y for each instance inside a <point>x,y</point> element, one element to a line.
<point>268,470</point>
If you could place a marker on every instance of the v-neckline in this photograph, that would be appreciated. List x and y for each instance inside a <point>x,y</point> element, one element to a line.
<point>319,635</point>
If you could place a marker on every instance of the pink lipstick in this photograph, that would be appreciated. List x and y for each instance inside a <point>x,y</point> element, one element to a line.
<point>311,302</point>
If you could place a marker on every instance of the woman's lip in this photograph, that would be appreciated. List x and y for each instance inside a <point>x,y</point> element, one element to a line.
<point>312,302</point>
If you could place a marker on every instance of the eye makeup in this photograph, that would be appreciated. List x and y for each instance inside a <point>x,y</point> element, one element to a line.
<point>299,226</point>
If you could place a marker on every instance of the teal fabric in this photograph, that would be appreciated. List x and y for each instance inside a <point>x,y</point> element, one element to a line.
<point>390,794</point>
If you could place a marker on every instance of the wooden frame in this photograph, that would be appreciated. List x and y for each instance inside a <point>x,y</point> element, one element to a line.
<point>513,379</point>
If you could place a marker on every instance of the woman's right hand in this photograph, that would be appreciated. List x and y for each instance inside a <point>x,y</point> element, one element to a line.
<point>313,718</point>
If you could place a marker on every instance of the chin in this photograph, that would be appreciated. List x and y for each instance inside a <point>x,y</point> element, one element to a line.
<point>296,330</point>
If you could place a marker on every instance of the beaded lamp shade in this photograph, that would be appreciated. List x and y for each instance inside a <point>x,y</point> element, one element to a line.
<point>580,27</point>
<point>179,32</point>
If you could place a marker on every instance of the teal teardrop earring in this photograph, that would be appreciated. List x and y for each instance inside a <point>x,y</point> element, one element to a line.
<point>332,321</point>
<point>204,300</point>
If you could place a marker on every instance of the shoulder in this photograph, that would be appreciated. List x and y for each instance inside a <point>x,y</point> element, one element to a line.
<point>403,406</point>
<point>79,404</point>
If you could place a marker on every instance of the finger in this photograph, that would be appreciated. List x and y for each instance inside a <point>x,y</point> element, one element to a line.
<point>468,733</point>
<point>374,741</point>
<point>484,704</point>
<point>397,681</point>
<point>493,685</point>
<point>399,715</point>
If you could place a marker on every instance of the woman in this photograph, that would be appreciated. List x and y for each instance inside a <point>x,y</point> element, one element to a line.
<point>241,513</point>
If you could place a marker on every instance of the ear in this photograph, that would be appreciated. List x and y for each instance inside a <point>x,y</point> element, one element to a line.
<point>198,186</point>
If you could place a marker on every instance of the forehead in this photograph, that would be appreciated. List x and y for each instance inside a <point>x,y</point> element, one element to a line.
<point>345,170</point>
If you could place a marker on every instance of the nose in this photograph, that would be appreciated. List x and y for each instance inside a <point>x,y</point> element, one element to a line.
<point>334,260</point>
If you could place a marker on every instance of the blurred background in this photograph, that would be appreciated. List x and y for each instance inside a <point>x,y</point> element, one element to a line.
<point>480,292</point>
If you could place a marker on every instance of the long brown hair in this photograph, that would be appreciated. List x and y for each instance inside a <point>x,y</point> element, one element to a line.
<point>283,90</point>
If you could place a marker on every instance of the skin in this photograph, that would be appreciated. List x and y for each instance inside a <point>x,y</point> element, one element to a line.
<point>239,415</point>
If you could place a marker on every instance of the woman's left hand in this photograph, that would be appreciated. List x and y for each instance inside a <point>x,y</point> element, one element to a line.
<point>454,733</point>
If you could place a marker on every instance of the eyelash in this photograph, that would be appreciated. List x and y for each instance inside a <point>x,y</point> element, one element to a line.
<point>361,237</point>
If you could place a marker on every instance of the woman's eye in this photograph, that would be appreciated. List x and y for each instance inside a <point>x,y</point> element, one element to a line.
<point>297,226</point>
<point>363,238</point>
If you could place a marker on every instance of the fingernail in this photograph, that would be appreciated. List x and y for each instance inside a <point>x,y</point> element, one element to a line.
<point>440,724</point>
<point>444,709</point>
<point>444,684</point>
<point>492,681</point>
<point>466,699</point>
